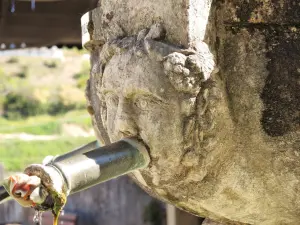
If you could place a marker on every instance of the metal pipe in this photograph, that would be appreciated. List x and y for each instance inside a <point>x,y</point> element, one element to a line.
<point>80,150</point>
<point>3,194</point>
<point>84,170</point>
<point>90,165</point>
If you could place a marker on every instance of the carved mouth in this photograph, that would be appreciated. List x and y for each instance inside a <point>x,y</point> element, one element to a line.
<point>140,139</point>
<point>144,143</point>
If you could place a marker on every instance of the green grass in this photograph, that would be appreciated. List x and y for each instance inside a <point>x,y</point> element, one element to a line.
<point>79,117</point>
<point>45,124</point>
<point>16,154</point>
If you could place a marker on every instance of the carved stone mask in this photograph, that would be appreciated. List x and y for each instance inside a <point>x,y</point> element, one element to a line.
<point>148,89</point>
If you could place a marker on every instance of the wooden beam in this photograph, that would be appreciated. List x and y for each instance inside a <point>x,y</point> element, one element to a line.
<point>50,23</point>
<point>48,20</point>
<point>29,35</point>
<point>4,8</point>
<point>67,6</point>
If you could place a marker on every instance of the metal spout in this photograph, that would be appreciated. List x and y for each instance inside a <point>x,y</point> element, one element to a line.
<point>89,168</point>
<point>4,196</point>
<point>89,165</point>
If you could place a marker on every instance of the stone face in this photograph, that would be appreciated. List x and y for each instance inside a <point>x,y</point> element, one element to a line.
<point>222,129</point>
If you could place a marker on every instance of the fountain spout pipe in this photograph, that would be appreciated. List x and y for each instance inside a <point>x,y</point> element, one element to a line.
<point>3,194</point>
<point>84,168</point>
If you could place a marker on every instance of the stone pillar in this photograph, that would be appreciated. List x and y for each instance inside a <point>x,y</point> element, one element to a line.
<point>210,222</point>
<point>178,217</point>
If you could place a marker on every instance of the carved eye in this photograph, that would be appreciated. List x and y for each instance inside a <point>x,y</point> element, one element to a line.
<point>111,99</point>
<point>142,103</point>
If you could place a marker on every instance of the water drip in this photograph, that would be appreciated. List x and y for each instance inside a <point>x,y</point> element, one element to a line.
<point>37,218</point>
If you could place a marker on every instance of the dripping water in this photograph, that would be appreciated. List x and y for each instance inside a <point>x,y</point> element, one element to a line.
<point>37,218</point>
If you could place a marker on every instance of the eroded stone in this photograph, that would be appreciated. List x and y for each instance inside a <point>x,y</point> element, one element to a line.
<point>223,145</point>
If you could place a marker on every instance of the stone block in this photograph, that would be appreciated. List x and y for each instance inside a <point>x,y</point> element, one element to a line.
<point>185,21</point>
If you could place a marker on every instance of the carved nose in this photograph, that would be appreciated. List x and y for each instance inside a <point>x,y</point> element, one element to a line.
<point>124,124</point>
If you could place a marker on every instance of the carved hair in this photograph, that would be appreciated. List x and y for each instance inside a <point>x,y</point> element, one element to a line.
<point>185,68</point>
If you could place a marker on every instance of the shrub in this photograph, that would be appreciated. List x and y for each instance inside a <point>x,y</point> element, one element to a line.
<point>23,73</point>
<point>83,75</point>
<point>51,64</point>
<point>13,59</point>
<point>17,106</point>
<point>58,106</point>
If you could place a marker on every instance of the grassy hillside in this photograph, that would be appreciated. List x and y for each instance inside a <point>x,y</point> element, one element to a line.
<point>37,85</point>
<point>45,124</point>
<point>17,154</point>
<point>42,96</point>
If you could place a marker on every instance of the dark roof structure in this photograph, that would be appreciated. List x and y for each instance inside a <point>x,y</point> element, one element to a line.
<point>42,22</point>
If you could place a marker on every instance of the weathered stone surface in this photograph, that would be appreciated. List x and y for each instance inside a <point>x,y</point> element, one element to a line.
<point>224,145</point>
<point>210,222</point>
<point>185,21</point>
<point>278,12</point>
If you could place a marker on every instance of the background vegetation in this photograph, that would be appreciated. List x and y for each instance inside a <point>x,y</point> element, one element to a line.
<point>42,96</point>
